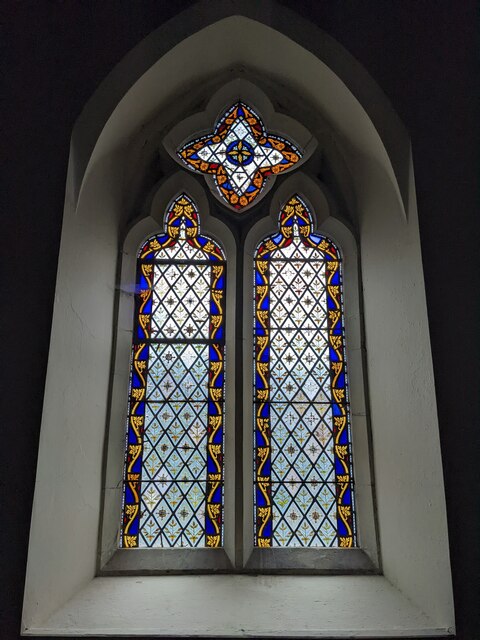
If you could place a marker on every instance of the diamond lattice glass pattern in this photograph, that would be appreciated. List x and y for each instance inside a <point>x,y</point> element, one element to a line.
<point>181,301</point>
<point>303,469</point>
<point>173,489</point>
<point>240,155</point>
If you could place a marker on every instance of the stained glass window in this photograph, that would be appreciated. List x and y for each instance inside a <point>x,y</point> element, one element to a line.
<point>303,493</point>
<point>173,484</point>
<point>240,155</point>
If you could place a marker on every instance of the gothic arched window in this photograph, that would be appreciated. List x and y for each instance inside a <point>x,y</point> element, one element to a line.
<point>303,469</point>
<point>303,464</point>
<point>355,149</point>
<point>173,483</point>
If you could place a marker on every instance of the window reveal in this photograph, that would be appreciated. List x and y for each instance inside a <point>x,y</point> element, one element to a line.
<point>173,482</point>
<point>303,494</point>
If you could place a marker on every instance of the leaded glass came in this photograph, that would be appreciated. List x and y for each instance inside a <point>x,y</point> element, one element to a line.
<point>173,485</point>
<point>303,492</point>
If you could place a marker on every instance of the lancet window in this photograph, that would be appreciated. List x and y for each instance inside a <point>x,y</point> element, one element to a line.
<point>173,479</point>
<point>303,493</point>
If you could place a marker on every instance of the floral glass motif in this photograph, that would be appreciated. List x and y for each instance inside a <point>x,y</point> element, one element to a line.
<point>240,155</point>
<point>303,493</point>
<point>173,485</point>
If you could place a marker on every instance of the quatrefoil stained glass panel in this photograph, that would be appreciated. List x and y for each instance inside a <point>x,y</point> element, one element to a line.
<point>303,491</point>
<point>240,155</point>
<point>173,485</point>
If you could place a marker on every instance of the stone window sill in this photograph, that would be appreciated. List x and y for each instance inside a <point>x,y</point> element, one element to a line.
<point>233,606</point>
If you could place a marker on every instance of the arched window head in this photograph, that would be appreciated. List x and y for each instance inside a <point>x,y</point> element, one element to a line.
<point>303,492</point>
<point>173,483</point>
<point>240,155</point>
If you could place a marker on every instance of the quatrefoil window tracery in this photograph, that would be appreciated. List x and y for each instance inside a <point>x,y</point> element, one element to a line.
<point>240,155</point>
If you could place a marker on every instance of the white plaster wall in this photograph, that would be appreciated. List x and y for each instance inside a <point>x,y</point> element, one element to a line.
<point>64,531</point>
<point>408,470</point>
